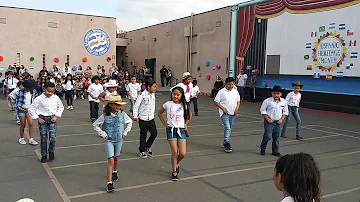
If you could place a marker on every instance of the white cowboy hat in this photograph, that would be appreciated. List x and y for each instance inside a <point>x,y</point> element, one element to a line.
<point>186,75</point>
<point>111,83</point>
<point>116,99</point>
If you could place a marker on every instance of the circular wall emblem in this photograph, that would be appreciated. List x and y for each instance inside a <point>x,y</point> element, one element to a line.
<point>329,52</point>
<point>97,42</point>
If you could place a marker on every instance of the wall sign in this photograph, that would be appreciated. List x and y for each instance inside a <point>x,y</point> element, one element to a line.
<point>97,42</point>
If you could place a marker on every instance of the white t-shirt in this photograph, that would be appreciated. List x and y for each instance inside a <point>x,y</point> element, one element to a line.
<point>133,89</point>
<point>174,114</point>
<point>228,99</point>
<point>195,90</point>
<point>68,85</point>
<point>241,79</point>
<point>288,199</point>
<point>27,100</point>
<point>95,90</point>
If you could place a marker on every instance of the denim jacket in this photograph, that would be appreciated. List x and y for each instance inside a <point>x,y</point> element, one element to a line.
<point>114,126</point>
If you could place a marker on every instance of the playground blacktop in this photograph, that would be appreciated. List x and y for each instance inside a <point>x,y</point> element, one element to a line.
<point>208,174</point>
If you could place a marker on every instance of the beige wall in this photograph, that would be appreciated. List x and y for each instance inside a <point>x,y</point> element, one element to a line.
<point>27,32</point>
<point>210,43</point>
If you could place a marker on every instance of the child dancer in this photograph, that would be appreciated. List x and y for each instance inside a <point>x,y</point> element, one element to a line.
<point>144,112</point>
<point>133,89</point>
<point>94,90</point>
<point>79,89</point>
<point>46,108</point>
<point>111,127</point>
<point>274,109</point>
<point>228,102</point>
<point>22,101</point>
<point>293,100</point>
<point>69,87</point>
<point>194,94</point>
<point>178,118</point>
<point>12,95</point>
<point>110,90</point>
<point>59,89</point>
<point>298,177</point>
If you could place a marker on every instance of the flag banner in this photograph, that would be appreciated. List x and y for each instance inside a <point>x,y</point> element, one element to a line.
<point>313,34</point>
<point>308,45</point>
<point>248,67</point>
<point>350,32</point>
<point>332,25</point>
<point>352,43</point>
<point>316,75</point>
<point>353,55</point>
<point>306,57</point>
<point>31,67</point>
<point>322,29</point>
<point>340,74</point>
<point>349,66</point>
<point>309,67</point>
<point>341,26</point>
<point>329,77</point>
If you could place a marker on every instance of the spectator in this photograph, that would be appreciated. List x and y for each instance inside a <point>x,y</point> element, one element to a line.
<point>254,74</point>
<point>163,73</point>
<point>66,70</point>
<point>218,85</point>
<point>168,78</point>
<point>43,73</point>
<point>88,72</point>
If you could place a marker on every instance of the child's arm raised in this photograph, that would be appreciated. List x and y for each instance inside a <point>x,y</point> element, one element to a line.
<point>97,127</point>
<point>128,123</point>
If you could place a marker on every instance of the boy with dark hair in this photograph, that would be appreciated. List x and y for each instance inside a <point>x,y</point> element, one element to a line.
<point>95,89</point>
<point>46,108</point>
<point>194,94</point>
<point>228,102</point>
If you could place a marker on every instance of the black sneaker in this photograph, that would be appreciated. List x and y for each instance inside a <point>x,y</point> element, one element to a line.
<point>262,152</point>
<point>43,159</point>
<point>148,152</point>
<point>143,155</point>
<point>110,187</point>
<point>51,156</point>
<point>92,120</point>
<point>227,148</point>
<point>174,176</point>
<point>178,169</point>
<point>277,154</point>
<point>196,114</point>
<point>115,177</point>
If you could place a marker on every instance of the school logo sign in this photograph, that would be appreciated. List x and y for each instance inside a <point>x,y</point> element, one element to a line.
<point>97,42</point>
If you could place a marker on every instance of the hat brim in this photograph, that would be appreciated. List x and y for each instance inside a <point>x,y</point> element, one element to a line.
<point>280,91</point>
<point>294,84</point>
<point>109,86</point>
<point>114,102</point>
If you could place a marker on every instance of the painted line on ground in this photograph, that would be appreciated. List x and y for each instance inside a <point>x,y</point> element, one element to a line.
<point>185,179</point>
<point>349,131</point>
<point>350,136</point>
<point>341,192</point>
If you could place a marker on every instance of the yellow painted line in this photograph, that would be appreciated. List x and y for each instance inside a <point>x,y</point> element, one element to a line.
<point>341,192</point>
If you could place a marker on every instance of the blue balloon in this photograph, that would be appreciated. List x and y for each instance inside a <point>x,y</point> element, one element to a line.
<point>74,68</point>
<point>207,63</point>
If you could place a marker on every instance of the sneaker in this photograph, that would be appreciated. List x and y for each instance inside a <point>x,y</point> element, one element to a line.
<point>51,156</point>
<point>92,120</point>
<point>149,152</point>
<point>196,114</point>
<point>43,159</point>
<point>178,169</point>
<point>68,107</point>
<point>283,136</point>
<point>75,97</point>
<point>277,154</point>
<point>298,137</point>
<point>33,142</point>
<point>143,155</point>
<point>71,107</point>
<point>82,97</point>
<point>22,141</point>
<point>262,152</point>
<point>227,148</point>
<point>174,176</point>
<point>18,122</point>
<point>115,177</point>
<point>110,187</point>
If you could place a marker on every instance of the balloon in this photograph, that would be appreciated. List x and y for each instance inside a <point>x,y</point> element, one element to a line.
<point>84,59</point>
<point>32,58</point>
<point>214,68</point>
<point>198,68</point>
<point>207,63</point>
<point>56,60</point>
<point>208,77</point>
<point>218,66</point>
<point>1,58</point>
<point>74,68</point>
<point>108,59</point>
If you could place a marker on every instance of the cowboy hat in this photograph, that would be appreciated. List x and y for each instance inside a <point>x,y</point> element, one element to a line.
<point>116,99</point>
<point>218,78</point>
<point>111,83</point>
<point>297,83</point>
<point>277,88</point>
<point>186,75</point>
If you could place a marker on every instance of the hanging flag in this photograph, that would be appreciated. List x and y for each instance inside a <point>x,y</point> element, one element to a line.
<point>309,67</point>
<point>350,32</point>
<point>353,55</point>
<point>313,34</point>
<point>349,66</point>
<point>306,57</point>
<point>248,67</point>
<point>341,26</point>
<point>340,74</point>
<point>352,43</point>
<point>308,45</point>
<point>328,77</point>
<point>322,29</point>
<point>317,75</point>
<point>332,25</point>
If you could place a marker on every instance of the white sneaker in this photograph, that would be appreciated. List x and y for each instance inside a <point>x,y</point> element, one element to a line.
<point>75,97</point>
<point>22,141</point>
<point>68,107</point>
<point>33,142</point>
<point>71,107</point>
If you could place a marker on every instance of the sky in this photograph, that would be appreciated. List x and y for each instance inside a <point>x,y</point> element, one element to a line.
<point>130,14</point>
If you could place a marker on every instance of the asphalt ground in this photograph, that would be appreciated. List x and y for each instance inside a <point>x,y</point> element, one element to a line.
<point>207,173</point>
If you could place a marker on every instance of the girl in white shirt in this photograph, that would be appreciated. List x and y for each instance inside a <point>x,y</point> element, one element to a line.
<point>178,118</point>
<point>133,89</point>
<point>110,90</point>
<point>69,87</point>
<point>297,177</point>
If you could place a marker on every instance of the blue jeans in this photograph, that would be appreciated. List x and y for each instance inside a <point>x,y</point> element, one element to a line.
<point>22,113</point>
<point>241,91</point>
<point>272,130</point>
<point>94,109</point>
<point>295,112</point>
<point>113,148</point>
<point>132,102</point>
<point>47,128</point>
<point>227,121</point>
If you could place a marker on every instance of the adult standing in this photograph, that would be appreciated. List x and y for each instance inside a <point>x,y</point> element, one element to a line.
<point>253,82</point>
<point>88,72</point>
<point>148,74</point>
<point>168,77</point>
<point>241,83</point>
<point>163,74</point>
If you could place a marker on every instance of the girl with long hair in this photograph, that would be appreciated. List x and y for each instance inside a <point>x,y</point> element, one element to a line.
<point>69,87</point>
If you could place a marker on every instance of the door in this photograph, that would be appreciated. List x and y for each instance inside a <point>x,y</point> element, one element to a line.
<point>151,64</point>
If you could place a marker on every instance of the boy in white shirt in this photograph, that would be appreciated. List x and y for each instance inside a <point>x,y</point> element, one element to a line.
<point>94,90</point>
<point>46,108</point>
<point>293,100</point>
<point>194,94</point>
<point>228,102</point>
<point>274,109</point>
<point>133,89</point>
<point>241,78</point>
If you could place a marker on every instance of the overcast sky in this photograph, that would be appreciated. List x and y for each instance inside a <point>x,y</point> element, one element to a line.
<point>130,14</point>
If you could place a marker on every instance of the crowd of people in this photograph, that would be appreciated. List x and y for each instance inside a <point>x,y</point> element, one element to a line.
<point>41,100</point>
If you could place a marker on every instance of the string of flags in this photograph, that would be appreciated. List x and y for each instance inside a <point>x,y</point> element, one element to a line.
<point>353,55</point>
<point>349,66</point>
<point>352,43</point>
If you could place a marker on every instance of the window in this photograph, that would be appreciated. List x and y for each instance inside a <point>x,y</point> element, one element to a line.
<point>273,64</point>
<point>52,24</point>
<point>44,65</point>
<point>18,59</point>
<point>2,20</point>
<point>68,59</point>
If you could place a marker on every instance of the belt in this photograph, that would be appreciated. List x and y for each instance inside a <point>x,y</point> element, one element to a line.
<point>293,106</point>
<point>46,116</point>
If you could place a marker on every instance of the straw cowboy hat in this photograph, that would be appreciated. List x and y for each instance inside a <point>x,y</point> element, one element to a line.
<point>277,88</point>
<point>297,83</point>
<point>186,75</point>
<point>111,83</point>
<point>116,99</point>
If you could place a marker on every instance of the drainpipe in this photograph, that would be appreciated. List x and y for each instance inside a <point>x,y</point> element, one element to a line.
<point>191,39</point>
